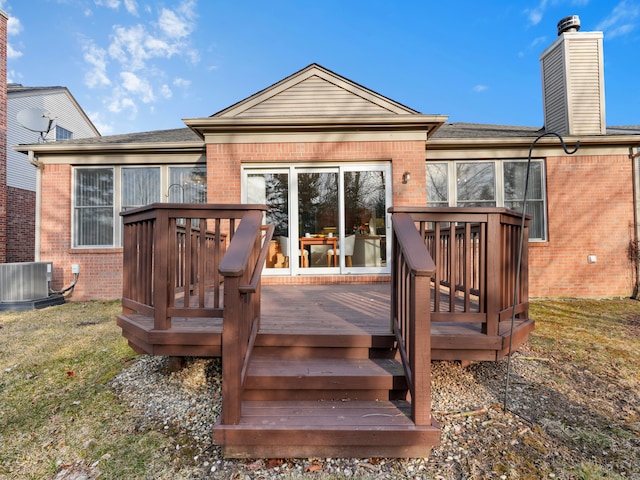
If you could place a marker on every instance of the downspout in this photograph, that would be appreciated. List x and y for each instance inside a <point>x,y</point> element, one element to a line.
<point>39,167</point>
<point>636,215</point>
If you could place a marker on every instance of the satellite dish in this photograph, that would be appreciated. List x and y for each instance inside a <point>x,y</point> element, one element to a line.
<point>36,120</point>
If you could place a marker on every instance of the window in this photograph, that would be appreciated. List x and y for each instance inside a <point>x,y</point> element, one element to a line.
<point>100,193</point>
<point>94,209</point>
<point>514,177</point>
<point>140,186</point>
<point>187,185</point>
<point>437,184</point>
<point>490,184</point>
<point>475,184</point>
<point>63,133</point>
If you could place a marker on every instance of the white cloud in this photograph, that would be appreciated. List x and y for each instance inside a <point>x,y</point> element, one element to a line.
<point>12,52</point>
<point>480,88</point>
<point>538,41</point>
<point>103,127</point>
<point>622,19</point>
<point>96,57</point>
<point>133,62</point>
<point>119,103</point>
<point>179,23</point>
<point>536,13</point>
<point>14,27</point>
<point>127,46</point>
<point>13,76</point>
<point>182,82</point>
<point>131,6</point>
<point>115,4</point>
<point>165,91</point>
<point>138,86</point>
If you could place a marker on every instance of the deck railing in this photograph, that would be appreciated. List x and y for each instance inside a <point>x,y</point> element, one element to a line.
<point>171,259</point>
<point>242,268</point>
<point>410,312</point>
<point>475,251</point>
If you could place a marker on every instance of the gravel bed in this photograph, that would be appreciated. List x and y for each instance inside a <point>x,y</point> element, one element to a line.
<point>186,404</point>
<point>479,439</point>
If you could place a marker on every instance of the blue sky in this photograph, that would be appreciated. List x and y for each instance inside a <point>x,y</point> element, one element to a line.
<point>137,65</point>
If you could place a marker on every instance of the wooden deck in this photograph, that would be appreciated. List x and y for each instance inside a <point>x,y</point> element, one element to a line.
<point>323,370</point>
<point>319,318</point>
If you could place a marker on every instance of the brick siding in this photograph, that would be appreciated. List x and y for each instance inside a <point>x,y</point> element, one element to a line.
<point>3,138</point>
<point>224,163</point>
<point>594,194</point>
<point>21,225</point>
<point>590,205</point>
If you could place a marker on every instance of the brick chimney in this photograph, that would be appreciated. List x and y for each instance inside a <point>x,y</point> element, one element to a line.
<point>3,136</point>
<point>573,81</point>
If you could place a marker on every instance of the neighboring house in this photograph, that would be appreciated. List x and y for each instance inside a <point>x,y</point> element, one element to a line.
<point>3,136</point>
<point>68,121</point>
<point>329,156</point>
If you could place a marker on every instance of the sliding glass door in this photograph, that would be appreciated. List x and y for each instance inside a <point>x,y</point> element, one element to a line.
<point>329,219</point>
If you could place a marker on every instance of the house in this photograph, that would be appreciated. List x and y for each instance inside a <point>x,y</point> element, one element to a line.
<point>329,157</point>
<point>3,136</point>
<point>58,116</point>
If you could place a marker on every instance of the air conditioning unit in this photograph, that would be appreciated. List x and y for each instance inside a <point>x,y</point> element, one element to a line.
<point>24,286</point>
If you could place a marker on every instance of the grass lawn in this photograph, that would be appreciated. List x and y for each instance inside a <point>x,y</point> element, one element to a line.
<point>56,406</point>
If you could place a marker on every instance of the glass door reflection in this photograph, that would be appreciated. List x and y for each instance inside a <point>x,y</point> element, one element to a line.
<point>318,217</point>
<point>272,189</point>
<point>365,206</point>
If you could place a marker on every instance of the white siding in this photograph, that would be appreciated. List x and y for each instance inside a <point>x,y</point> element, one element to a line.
<point>573,84</point>
<point>314,96</point>
<point>554,86</point>
<point>20,173</point>
<point>586,89</point>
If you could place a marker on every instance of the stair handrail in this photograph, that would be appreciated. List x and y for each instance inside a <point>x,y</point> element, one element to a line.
<point>241,268</point>
<point>411,275</point>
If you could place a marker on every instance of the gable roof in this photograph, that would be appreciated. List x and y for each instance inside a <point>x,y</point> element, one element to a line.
<point>317,102</point>
<point>16,90</point>
<point>317,91</point>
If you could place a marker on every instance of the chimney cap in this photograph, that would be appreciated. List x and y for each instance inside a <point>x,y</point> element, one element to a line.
<point>569,24</point>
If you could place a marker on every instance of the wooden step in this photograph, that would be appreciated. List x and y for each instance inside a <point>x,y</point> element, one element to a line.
<point>337,345</point>
<point>324,379</point>
<point>298,429</point>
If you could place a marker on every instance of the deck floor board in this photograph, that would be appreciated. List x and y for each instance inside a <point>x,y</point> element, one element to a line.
<point>326,315</point>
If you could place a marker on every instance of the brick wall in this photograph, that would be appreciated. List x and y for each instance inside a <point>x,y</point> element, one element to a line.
<point>593,195</point>
<point>3,138</point>
<point>590,205</point>
<point>21,224</point>
<point>100,269</point>
<point>224,164</point>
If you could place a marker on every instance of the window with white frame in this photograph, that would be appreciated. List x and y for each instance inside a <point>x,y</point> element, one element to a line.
<point>93,210</point>
<point>498,183</point>
<point>100,193</point>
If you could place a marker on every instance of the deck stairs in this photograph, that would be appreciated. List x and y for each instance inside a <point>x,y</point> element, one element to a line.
<point>325,396</point>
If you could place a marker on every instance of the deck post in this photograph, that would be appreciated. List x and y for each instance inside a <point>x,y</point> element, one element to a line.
<point>495,275</point>
<point>231,351</point>
<point>421,351</point>
<point>161,280</point>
